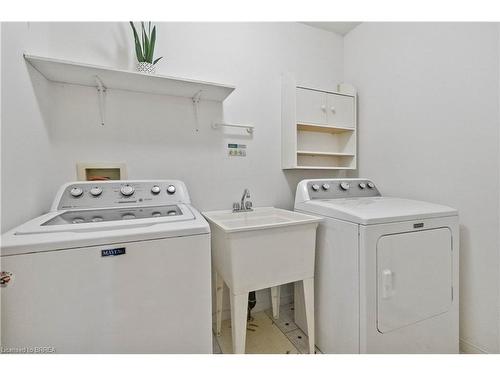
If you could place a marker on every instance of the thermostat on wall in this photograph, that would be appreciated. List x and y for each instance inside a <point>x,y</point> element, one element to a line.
<point>101,171</point>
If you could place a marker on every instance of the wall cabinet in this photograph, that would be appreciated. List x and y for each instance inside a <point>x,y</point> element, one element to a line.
<point>318,128</point>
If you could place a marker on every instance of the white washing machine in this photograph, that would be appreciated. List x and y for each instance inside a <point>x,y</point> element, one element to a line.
<point>386,270</point>
<point>114,267</point>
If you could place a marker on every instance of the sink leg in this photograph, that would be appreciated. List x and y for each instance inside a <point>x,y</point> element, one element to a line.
<point>308,286</point>
<point>219,292</point>
<point>239,311</point>
<point>275,301</point>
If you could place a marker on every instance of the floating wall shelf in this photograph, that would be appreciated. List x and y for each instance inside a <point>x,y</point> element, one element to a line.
<point>105,78</point>
<point>76,73</point>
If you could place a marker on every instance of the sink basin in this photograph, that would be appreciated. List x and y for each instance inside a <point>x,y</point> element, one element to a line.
<point>262,248</point>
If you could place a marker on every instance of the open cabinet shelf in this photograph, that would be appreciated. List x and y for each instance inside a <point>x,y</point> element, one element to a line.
<point>326,168</point>
<point>318,128</point>
<point>77,73</point>
<point>319,153</point>
<point>323,128</point>
<point>325,161</point>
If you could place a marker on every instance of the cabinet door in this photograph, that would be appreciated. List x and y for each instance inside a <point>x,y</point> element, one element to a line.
<point>311,107</point>
<point>340,110</point>
<point>414,277</point>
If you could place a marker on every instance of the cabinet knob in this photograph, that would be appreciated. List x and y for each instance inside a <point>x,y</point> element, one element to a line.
<point>323,107</point>
<point>332,109</point>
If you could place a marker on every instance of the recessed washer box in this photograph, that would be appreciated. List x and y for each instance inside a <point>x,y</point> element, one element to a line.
<point>101,171</point>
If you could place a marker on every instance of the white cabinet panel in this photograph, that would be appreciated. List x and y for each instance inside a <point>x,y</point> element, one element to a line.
<point>311,107</point>
<point>340,110</point>
<point>414,277</point>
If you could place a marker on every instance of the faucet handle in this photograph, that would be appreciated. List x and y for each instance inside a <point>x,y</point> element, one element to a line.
<point>248,205</point>
<point>236,206</point>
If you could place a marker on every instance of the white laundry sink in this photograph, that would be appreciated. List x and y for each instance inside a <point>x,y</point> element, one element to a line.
<point>262,248</point>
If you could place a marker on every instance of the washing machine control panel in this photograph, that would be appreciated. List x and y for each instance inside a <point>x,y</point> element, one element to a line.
<point>103,194</point>
<point>341,188</point>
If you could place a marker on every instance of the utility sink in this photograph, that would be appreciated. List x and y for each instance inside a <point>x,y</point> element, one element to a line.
<point>262,248</point>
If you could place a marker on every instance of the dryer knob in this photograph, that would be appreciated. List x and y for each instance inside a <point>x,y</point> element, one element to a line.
<point>171,189</point>
<point>325,186</point>
<point>155,189</point>
<point>371,185</point>
<point>96,191</point>
<point>315,187</point>
<point>127,190</point>
<point>345,186</point>
<point>76,192</point>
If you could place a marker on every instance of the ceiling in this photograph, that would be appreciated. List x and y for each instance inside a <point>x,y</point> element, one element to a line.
<point>341,28</point>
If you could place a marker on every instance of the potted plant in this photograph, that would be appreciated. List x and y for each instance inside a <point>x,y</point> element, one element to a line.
<point>145,48</point>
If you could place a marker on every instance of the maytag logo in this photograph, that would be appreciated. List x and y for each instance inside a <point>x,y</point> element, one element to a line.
<point>113,252</point>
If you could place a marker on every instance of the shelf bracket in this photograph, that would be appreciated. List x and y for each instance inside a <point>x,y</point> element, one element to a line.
<point>196,103</point>
<point>101,96</point>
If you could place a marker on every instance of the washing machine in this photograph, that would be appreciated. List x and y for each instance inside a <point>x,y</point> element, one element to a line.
<point>386,270</point>
<point>114,267</point>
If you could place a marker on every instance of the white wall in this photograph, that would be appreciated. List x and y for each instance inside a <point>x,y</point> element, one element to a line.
<point>27,155</point>
<point>428,129</point>
<point>154,135</point>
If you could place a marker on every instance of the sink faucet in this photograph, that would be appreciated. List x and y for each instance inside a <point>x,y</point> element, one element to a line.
<point>243,206</point>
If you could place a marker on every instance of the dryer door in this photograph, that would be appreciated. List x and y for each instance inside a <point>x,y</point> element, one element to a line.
<point>414,277</point>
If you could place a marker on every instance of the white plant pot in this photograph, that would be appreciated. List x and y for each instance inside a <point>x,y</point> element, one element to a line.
<point>145,67</point>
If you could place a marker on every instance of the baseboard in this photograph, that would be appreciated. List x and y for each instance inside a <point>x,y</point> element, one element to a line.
<point>469,348</point>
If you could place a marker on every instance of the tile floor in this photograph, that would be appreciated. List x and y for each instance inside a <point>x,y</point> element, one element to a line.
<point>266,335</point>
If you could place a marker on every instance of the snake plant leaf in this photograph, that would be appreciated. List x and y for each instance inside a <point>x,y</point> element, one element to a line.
<point>146,45</point>
<point>152,43</point>
<point>138,49</point>
<point>142,35</point>
<point>158,59</point>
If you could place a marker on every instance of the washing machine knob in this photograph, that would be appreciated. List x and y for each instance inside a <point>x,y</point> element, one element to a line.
<point>76,192</point>
<point>362,185</point>
<point>371,185</point>
<point>96,191</point>
<point>315,187</point>
<point>127,190</point>
<point>345,186</point>
<point>155,189</point>
<point>171,189</point>
<point>325,186</point>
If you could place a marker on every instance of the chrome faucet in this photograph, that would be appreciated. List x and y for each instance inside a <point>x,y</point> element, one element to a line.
<point>243,206</point>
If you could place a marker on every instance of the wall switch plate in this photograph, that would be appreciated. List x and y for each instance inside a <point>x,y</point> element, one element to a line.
<point>235,149</point>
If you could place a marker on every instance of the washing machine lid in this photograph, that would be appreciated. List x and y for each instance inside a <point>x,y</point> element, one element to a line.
<point>60,230</point>
<point>376,210</point>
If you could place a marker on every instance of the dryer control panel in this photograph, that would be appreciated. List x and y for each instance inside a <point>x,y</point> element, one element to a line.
<point>123,193</point>
<point>337,188</point>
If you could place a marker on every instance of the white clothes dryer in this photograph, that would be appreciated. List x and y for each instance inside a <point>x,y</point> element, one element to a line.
<point>386,270</point>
